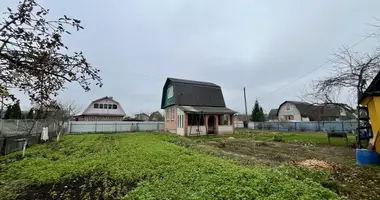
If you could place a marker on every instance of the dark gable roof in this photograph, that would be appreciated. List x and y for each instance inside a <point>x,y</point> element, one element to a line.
<point>196,93</point>
<point>324,110</point>
<point>372,89</point>
<point>201,83</point>
<point>303,107</point>
<point>273,114</point>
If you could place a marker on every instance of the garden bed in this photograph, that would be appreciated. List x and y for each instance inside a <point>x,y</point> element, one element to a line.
<point>142,166</point>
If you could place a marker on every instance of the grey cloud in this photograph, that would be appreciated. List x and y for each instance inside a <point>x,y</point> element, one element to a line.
<point>262,45</point>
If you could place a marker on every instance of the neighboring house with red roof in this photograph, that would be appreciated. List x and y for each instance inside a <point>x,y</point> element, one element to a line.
<point>103,109</point>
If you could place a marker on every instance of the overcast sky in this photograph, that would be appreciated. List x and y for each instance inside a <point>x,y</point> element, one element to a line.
<point>262,45</point>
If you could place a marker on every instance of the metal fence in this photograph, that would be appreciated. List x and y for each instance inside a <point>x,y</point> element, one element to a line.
<point>13,127</point>
<point>336,126</point>
<point>13,133</point>
<point>112,126</point>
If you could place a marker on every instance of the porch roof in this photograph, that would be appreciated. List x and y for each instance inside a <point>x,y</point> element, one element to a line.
<point>206,110</point>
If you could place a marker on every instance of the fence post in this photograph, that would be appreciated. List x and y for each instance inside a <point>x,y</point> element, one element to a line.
<point>18,121</point>
<point>158,126</point>
<point>115,127</point>
<point>295,126</point>
<point>278,126</point>
<point>35,127</point>
<point>342,126</point>
<point>69,129</point>
<point>95,126</point>
<point>1,125</point>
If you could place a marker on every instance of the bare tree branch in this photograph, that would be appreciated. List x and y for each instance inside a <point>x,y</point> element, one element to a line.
<point>351,70</point>
<point>33,56</point>
<point>60,113</point>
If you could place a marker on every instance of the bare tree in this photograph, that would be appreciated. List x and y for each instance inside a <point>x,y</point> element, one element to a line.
<point>33,56</point>
<point>61,114</point>
<point>351,70</point>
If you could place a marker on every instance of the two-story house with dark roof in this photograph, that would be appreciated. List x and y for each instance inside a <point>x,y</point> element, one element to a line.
<point>195,108</point>
<point>304,111</point>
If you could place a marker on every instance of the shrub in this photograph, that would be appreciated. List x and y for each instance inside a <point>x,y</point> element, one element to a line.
<point>222,144</point>
<point>278,138</point>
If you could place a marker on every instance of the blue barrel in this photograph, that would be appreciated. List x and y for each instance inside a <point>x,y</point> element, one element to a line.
<point>367,157</point>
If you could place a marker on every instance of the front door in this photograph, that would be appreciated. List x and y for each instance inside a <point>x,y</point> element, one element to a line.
<point>211,129</point>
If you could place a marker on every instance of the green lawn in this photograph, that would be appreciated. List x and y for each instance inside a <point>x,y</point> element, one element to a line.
<point>142,166</point>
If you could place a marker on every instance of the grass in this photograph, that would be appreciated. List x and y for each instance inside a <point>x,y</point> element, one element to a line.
<point>319,138</point>
<point>145,166</point>
<point>271,149</point>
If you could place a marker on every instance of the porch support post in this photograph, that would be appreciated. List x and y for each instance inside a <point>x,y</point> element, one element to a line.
<point>185,124</point>
<point>206,122</point>
<point>216,124</point>
<point>233,123</point>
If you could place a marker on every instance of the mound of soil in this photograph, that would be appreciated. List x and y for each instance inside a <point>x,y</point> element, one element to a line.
<point>315,164</point>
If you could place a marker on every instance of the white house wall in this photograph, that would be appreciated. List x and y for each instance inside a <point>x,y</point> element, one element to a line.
<point>97,111</point>
<point>192,130</point>
<point>225,129</point>
<point>283,111</point>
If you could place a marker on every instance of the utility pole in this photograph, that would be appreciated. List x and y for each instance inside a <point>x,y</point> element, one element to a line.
<point>246,112</point>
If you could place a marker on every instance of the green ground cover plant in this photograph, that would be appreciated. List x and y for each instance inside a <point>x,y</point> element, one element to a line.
<point>319,138</point>
<point>141,166</point>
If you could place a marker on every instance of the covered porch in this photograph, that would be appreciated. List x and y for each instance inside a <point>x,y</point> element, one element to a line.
<point>208,120</point>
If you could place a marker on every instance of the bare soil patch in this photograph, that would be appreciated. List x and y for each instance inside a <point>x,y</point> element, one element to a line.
<point>347,179</point>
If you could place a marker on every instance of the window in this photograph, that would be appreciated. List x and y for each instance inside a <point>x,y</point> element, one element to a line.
<point>224,119</point>
<point>105,106</point>
<point>109,106</point>
<point>101,106</point>
<point>170,92</point>
<point>172,113</point>
<point>167,113</point>
<point>114,106</point>
<point>96,105</point>
<point>180,121</point>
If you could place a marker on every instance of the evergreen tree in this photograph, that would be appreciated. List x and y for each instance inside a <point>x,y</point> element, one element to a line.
<point>257,113</point>
<point>261,114</point>
<point>16,111</point>
<point>30,114</point>
<point>8,112</point>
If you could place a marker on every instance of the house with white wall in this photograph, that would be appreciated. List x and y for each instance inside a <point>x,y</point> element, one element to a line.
<point>304,111</point>
<point>195,108</point>
<point>103,109</point>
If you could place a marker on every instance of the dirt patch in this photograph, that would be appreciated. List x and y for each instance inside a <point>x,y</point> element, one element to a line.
<point>347,179</point>
<point>315,164</point>
<point>87,187</point>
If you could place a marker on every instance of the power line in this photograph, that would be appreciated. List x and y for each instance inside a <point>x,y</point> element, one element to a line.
<point>321,65</point>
